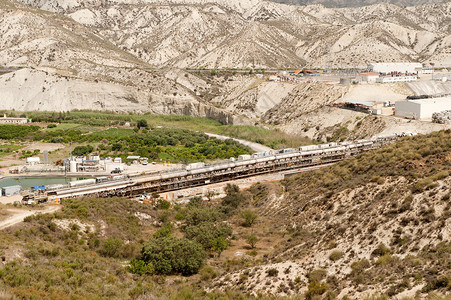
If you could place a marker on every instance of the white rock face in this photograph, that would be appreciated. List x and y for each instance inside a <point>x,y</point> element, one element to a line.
<point>262,34</point>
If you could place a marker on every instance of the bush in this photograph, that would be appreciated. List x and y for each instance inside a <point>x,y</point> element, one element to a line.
<point>110,247</point>
<point>140,267</point>
<point>317,275</point>
<point>172,255</point>
<point>142,124</point>
<point>381,250</point>
<point>249,218</point>
<point>316,288</point>
<point>51,126</point>
<point>206,233</point>
<point>336,255</point>
<point>437,283</point>
<point>233,197</point>
<point>252,240</point>
<point>272,272</point>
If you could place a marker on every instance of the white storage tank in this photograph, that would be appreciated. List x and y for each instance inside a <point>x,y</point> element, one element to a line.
<point>72,166</point>
<point>33,160</point>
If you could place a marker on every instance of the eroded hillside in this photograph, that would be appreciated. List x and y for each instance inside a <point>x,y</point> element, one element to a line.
<point>263,34</point>
<point>376,223</point>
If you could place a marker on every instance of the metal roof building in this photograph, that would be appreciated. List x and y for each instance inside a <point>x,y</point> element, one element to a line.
<point>401,67</point>
<point>423,108</point>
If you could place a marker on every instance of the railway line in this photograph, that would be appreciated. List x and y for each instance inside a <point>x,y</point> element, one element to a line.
<point>199,174</point>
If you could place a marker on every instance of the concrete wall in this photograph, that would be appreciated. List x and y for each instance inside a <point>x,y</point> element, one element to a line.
<point>408,109</point>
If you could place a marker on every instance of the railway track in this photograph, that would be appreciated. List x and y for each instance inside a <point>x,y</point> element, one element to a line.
<point>199,174</point>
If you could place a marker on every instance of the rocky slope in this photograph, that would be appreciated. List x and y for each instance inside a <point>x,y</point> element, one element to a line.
<point>375,224</point>
<point>356,3</point>
<point>262,34</point>
<point>66,66</point>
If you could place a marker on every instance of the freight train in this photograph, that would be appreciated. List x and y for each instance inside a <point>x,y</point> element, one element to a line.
<point>202,173</point>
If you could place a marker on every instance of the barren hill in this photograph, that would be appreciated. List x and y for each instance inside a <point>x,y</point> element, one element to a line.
<point>262,34</point>
<point>379,222</point>
<point>67,66</point>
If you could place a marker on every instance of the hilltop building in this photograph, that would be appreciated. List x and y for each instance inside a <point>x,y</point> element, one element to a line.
<point>16,121</point>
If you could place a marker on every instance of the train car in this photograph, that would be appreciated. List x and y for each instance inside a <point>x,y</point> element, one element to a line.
<point>118,177</point>
<point>244,157</point>
<point>82,182</point>
<point>308,148</point>
<point>102,179</point>
<point>194,166</point>
<point>53,187</point>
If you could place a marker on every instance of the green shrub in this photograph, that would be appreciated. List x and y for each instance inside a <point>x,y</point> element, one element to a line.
<point>172,255</point>
<point>316,288</point>
<point>252,240</point>
<point>110,247</point>
<point>140,267</point>
<point>249,218</point>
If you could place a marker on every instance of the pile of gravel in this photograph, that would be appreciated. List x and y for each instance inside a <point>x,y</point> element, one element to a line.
<point>443,117</point>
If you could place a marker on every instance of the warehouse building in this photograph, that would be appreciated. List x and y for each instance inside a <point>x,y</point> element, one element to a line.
<point>391,79</point>
<point>422,108</point>
<point>403,68</point>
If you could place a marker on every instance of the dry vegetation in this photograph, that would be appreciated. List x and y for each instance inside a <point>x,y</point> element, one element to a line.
<point>374,226</point>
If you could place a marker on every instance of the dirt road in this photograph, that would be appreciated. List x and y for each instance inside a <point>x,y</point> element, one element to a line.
<point>254,146</point>
<point>18,215</point>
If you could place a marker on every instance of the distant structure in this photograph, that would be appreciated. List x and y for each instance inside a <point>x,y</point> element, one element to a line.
<point>402,78</point>
<point>370,77</point>
<point>46,157</point>
<point>16,121</point>
<point>422,108</point>
<point>387,68</point>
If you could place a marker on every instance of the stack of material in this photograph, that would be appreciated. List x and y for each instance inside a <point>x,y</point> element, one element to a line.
<point>443,117</point>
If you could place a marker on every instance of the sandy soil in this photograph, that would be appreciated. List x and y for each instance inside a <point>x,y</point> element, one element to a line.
<point>10,199</point>
<point>12,159</point>
<point>18,215</point>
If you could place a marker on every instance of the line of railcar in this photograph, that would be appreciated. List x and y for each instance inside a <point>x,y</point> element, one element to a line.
<point>310,154</point>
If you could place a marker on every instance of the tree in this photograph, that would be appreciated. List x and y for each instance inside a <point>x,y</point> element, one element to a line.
<point>207,233</point>
<point>219,244</point>
<point>172,255</point>
<point>82,150</point>
<point>233,197</point>
<point>249,218</point>
<point>142,124</point>
<point>252,240</point>
<point>210,194</point>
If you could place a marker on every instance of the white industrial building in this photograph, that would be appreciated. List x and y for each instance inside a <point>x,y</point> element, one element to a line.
<point>395,67</point>
<point>422,108</point>
<point>389,79</point>
<point>369,77</point>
